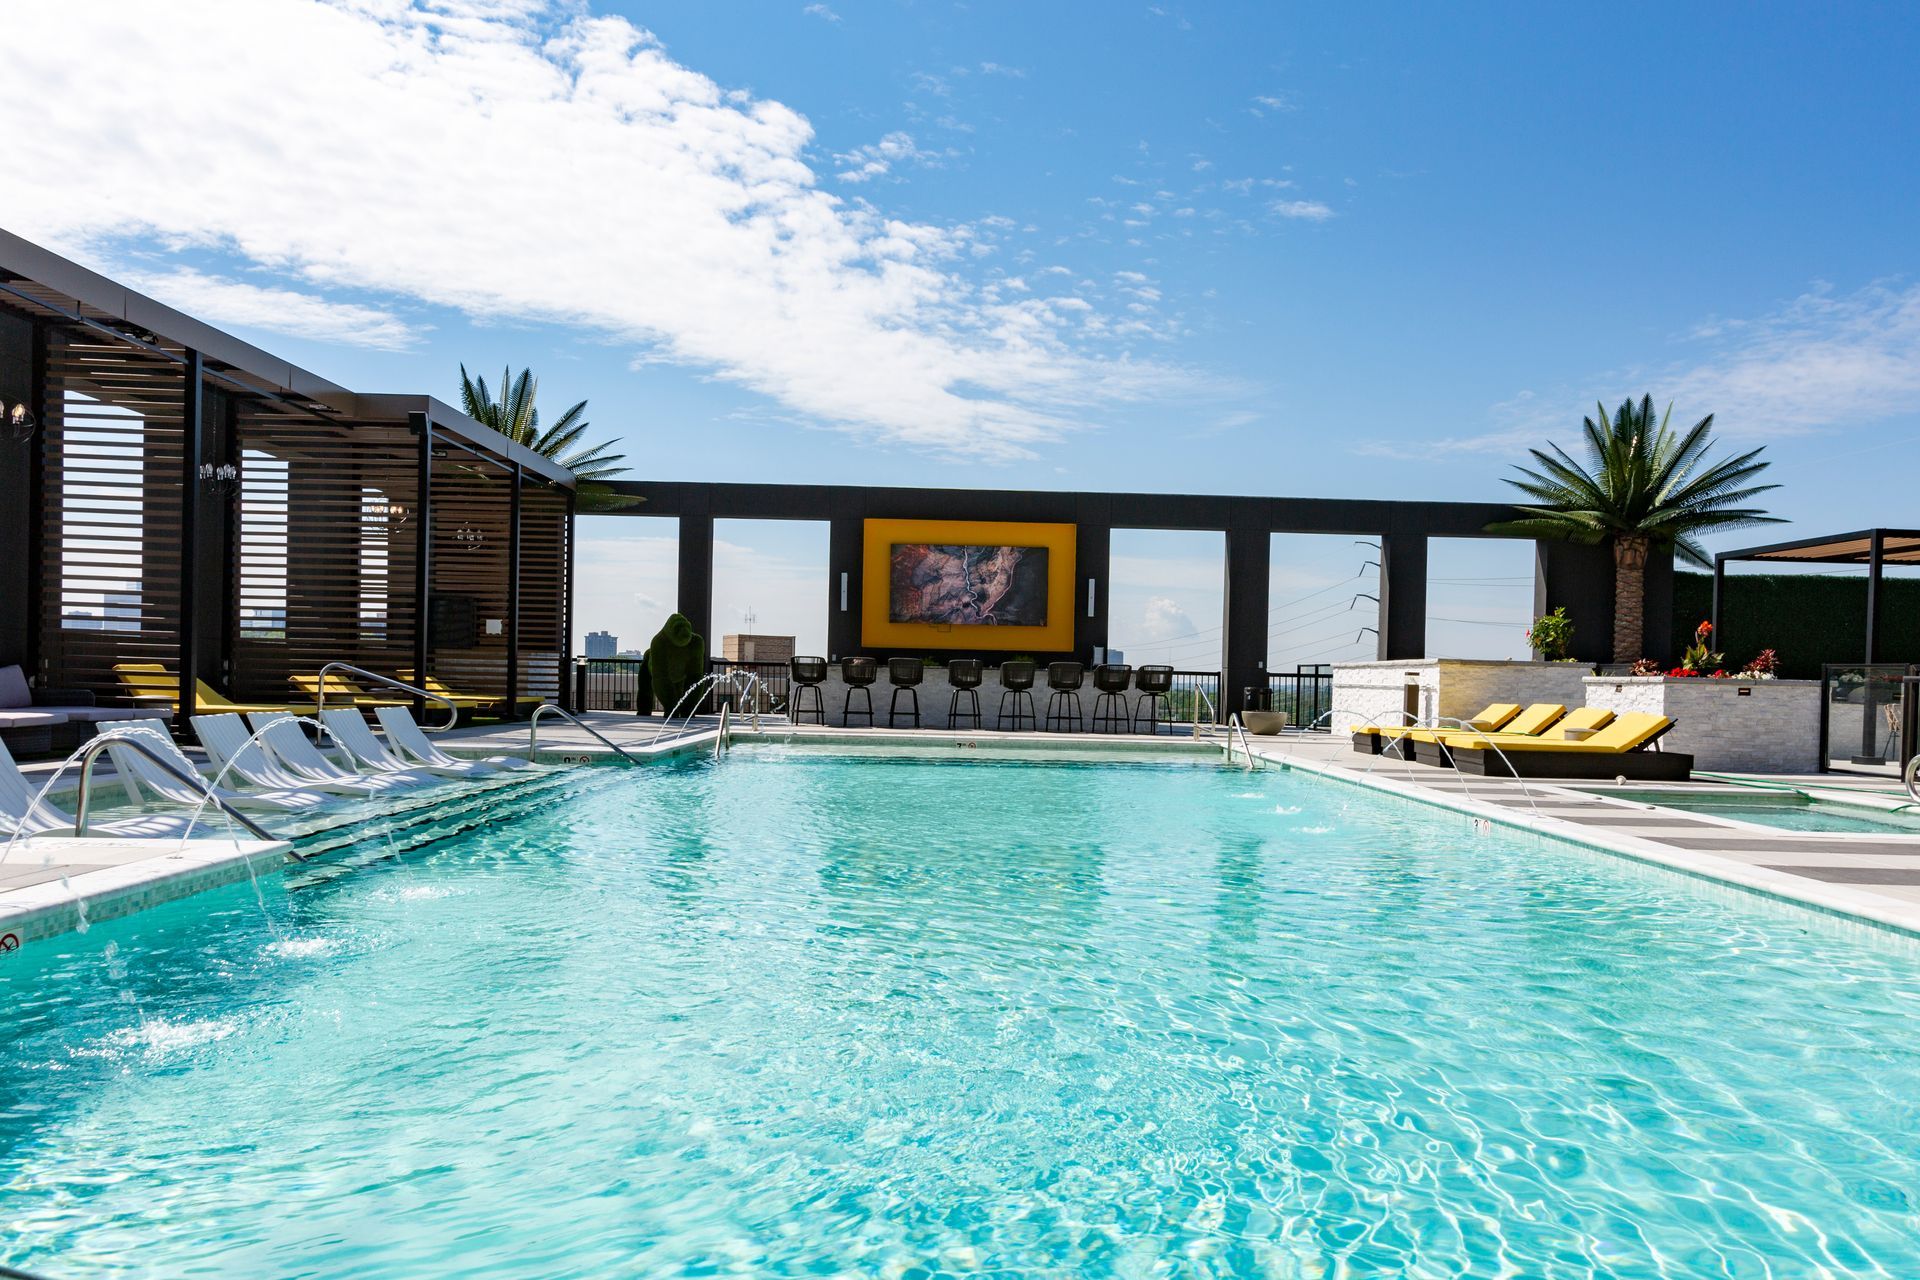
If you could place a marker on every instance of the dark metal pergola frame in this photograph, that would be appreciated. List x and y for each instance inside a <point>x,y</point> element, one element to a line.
<point>1872,548</point>
<point>59,297</point>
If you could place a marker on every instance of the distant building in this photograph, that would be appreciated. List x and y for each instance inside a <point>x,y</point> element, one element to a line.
<point>756,648</point>
<point>602,644</point>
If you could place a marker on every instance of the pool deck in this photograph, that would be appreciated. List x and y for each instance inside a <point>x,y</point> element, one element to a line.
<point>51,885</point>
<point>1872,877</point>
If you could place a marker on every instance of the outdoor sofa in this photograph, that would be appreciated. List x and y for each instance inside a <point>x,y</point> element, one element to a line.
<point>29,716</point>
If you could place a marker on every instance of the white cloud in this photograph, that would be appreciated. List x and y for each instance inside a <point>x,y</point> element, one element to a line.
<point>878,158</point>
<point>359,145</point>
<point>1164,619</point>
<point>304,315</point>
<point>1311,210</point>
<point>821,11</point>
<point>1819,363</point>
<point>999,69</point>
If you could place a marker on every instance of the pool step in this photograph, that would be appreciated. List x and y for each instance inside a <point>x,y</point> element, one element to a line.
<point>339,851</point>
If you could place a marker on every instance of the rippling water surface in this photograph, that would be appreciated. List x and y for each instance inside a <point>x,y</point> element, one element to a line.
<point>789,1015</point>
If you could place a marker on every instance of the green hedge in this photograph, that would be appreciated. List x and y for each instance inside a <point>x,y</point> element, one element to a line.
<point>1808,619</point>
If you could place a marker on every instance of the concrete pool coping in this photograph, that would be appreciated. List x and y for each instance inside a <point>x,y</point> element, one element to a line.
<point>1869,878</point>
<point>51,885</point>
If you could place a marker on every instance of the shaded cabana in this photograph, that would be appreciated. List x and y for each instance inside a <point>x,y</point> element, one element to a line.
<point>1887,716</point>
<point>189,502</point>
<point>1872,549</point>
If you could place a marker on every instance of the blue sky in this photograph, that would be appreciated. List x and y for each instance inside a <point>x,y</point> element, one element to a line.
<point>1231,248</point>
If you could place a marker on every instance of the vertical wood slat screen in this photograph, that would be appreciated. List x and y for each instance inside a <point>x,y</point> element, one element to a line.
<point>543,589</point>
<point>324,573</point>
<point>472,525</point>
<point>114,443</point>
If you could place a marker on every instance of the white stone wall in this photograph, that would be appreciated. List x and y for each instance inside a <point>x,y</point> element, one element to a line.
<point>1450,688</point>
<point>1773,728</point>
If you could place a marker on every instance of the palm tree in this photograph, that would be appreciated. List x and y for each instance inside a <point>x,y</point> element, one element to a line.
<point>1643,486</point>
<point>515,416</point>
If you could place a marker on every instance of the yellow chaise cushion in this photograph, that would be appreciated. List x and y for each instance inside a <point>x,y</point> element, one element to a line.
<point>1627,732</point>
<point>150,682</point>
<point>1527,724</point>
<point>1494,717</point>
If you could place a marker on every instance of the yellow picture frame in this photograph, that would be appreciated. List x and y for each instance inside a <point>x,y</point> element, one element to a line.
<point>878,631</point>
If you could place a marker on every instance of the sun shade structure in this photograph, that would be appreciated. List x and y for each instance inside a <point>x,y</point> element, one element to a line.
<point>1872,548</point>
<point>196,505</point>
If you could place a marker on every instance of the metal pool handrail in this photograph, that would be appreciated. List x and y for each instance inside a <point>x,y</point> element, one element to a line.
<point>453,708</point>
<point>1213,716</point>
<point>1912,778</point>
<point>533,731</point>
<point>1234,726</point>
<point>723,741</point>
<point>103,742</point>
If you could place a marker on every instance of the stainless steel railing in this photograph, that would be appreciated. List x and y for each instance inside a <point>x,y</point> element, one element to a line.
<point>453,708</point>
<point>199,784</point>
<point>533,731</point>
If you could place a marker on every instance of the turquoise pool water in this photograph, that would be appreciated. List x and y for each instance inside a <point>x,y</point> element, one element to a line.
<point>1786,811</point>
<point>793,1015</point>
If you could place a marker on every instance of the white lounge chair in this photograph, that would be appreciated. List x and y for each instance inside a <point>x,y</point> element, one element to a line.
<point>19,812</point>
<point>410,744</point>
<point>136,768</point>
<point>225,736</point>
<point>348,728</point>
<point>287,742</point>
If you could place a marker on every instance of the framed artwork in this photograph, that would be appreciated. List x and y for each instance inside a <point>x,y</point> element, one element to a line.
<point>968,584</point>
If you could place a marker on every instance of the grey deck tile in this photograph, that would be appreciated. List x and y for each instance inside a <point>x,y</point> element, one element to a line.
<point>1856,875</point>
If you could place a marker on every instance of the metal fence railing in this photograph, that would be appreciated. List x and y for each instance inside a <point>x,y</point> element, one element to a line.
<point>769,689</point>
<point>607,684</point>
<point>613,684</point>
<point>1304,693</point>
<point>1195,696</point>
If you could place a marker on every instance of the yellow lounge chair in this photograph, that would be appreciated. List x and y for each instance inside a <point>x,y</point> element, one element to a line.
<point>1624,748</point>
<point>1528,724</point>
<point>469,701</point>
<point>1371,740</point>
<point>342,691</point>
<point>1574,726</point>
<point>149,684</point>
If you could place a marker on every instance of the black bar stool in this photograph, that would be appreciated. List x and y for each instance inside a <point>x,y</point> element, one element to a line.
<point>803,677</point>
<point>965,675</point>
<point>859,673</point>
<point>1065,679</point>
<point>1110,708</point>
<point>1153,684</point>
<point>905,675</point>
<point>1016,678</point>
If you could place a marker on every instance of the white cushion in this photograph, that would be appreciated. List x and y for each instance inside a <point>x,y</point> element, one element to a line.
<point>13,688</point>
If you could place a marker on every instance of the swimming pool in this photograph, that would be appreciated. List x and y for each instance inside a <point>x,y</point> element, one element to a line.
<point>795,1014</point>
<point>1784,809</point>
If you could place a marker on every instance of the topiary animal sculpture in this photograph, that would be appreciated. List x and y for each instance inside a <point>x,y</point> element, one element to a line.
<point>675,660</point>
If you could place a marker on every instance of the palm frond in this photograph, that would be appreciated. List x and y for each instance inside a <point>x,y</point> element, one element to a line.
<point>1640,477</point>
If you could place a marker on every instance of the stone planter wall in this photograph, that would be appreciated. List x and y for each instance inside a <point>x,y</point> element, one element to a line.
<point>1774,727</point>
<point>1450,688</point>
